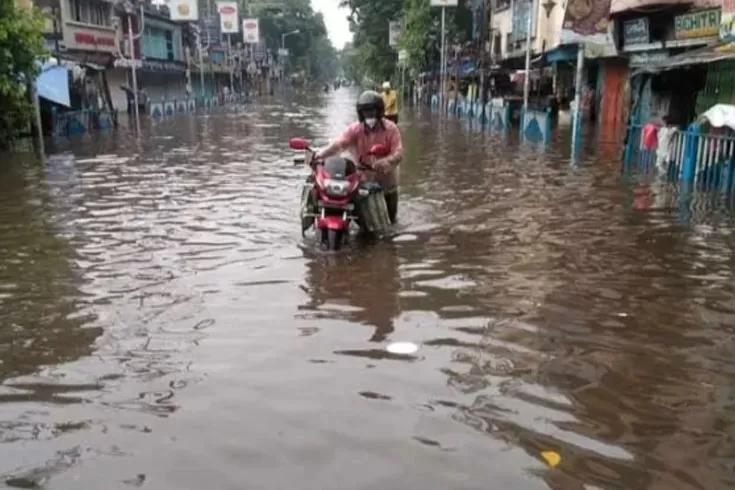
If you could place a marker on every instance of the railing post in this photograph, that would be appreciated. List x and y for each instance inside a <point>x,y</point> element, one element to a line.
<point>691,144</point>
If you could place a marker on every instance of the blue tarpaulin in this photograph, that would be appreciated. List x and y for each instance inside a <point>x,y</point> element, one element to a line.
<point>53,84</point>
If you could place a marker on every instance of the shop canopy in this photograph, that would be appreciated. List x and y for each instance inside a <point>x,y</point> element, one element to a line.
<point>709,54</point>
<point>53,83</point>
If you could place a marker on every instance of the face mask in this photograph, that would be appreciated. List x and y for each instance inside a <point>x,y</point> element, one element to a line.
<point>371,122</point>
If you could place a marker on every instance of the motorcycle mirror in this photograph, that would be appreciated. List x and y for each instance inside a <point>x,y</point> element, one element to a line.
<point>298,144</point>
<point>378,150</point>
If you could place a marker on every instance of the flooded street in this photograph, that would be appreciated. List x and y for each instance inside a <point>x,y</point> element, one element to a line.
<point>165,326</point>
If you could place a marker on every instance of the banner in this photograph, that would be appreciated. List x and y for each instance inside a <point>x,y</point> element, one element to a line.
<point>587,21</point>
<point>228,18</point>
<point>250,31</point>
<point>184,10</point>
<point>210,29</point>
<point>394,32</point>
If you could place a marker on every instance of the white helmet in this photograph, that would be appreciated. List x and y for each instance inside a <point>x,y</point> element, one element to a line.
<point>386,85</point>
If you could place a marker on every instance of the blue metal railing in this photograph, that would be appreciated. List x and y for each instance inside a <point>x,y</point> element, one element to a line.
<point>695,157</point>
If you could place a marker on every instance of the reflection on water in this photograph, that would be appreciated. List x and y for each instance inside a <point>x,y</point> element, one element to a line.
<point>164,325</point>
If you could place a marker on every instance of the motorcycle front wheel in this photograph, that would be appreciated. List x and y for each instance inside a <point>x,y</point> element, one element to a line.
<point>333,239</point>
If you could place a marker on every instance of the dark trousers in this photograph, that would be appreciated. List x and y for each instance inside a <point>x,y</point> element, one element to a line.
<point>393,118</point>
<point>391,202</point>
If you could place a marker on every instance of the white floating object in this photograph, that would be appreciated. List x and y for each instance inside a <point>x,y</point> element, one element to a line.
<point>402,348</point>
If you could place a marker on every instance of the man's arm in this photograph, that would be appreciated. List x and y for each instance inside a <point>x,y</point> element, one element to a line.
<point>396,147</point>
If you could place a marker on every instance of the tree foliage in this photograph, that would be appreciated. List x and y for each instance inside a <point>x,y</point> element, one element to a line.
<point>21,47</point>
<point>369,24</point>
<point>421,35</point>
<point>310,50</point>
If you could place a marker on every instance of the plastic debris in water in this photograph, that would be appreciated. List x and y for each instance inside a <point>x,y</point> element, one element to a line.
<point>402,348</point>
<point>552,458</point>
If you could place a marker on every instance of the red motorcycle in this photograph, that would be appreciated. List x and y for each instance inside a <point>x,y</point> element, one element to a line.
<point>339,192</point>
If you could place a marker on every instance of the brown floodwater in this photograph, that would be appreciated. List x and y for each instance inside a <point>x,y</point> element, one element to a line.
<point>164,325</point>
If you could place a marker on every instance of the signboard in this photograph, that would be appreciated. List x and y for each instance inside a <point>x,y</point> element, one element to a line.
<point>184,10</point>
<point>705,23</point>
<point>402,56</point>
<point>228,18</point>
<point>521,10</point>
<point>282,52</point>
<point>259,52</point>
<point>250,31</point>
<point>587,22</point>
<point>443,3</point>
<point>101,39</point>
<point>647,58</point>
<point>727,20</point>
<point>636,32</point>
<point>211,29</point>
<point>394,32</point>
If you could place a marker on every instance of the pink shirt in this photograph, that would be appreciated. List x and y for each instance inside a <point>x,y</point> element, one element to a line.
<point>359,141</point>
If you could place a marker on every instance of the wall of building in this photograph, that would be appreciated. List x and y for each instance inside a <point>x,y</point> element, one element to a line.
<point>545,35</point>
<point>117,77</point>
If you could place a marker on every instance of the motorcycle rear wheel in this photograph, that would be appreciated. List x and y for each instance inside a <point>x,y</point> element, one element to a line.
<point>333,239</point>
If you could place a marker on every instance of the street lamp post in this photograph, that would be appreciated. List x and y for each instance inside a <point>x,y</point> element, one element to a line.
<point>284,36</point>
<point>200,55</point>
<point>129,10</point>
<point>283,50</point>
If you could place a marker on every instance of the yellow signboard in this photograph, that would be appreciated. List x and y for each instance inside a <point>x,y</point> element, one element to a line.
<point>705,23</point>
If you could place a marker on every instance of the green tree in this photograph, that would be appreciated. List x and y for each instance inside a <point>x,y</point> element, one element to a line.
<point>21,47</point>
<point>310,50</point>
<point>421,36</point>
<point>369,23</point>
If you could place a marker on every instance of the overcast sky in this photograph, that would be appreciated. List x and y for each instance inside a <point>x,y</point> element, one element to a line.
<point>336,20</point>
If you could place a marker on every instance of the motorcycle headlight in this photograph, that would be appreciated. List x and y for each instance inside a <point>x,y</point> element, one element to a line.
<point>336,187</point>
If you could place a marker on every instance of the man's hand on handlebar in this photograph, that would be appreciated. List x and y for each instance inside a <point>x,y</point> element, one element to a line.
<point>381,166</point>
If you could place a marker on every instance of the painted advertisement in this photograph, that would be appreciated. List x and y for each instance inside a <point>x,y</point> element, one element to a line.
<point>588,22</point>
<point>184,10</point>
<point>250,31</point>
<point>228,17</point>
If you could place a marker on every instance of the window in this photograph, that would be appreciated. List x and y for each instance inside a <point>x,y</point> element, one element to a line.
<point>154,43</point>
<point>93,12</point>
<point>502,5</point>
<point>169,46</point>
<point>177,46</point>
<point>497,45</point>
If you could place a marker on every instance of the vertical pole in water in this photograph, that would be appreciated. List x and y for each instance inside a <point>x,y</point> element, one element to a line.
<point>443,61</point>
<point>201,63</point>
<point>133,73</point>
<point>527,78</point>
<point>231,64</point>
<point>576,117</point>
<point>38,124</point>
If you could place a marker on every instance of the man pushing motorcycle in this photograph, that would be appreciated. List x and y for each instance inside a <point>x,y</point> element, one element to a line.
<point>372,128</point>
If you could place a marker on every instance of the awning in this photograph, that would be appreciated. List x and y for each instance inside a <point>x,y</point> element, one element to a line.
<point>561,54</point>
<point>53,84</point>
<point>709,54</point>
